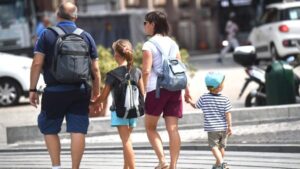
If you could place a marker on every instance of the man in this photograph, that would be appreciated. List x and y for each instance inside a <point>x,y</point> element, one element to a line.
<point>63,100</point>
<point>43,24</point>
<point>231,30</point>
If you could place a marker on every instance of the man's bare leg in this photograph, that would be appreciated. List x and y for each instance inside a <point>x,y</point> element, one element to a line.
<point>77,148</point>
<point>53,145</point>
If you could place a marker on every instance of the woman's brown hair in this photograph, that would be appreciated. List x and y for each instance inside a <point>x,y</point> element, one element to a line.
<point>159,19</point>
<point>124,48</point>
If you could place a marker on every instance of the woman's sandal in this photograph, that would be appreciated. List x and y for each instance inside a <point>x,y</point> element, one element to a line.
<point>162,166</point>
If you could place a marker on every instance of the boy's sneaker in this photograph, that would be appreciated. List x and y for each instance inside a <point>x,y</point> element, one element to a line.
<point>224,165</point>
<point>214,167</point>
<point>217,167</point>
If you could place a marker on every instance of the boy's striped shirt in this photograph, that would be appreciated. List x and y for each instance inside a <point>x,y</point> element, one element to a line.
<point>214,107</point>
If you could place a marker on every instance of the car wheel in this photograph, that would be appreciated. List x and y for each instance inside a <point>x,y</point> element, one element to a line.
<point>10,92</point>
<point>274,53</point>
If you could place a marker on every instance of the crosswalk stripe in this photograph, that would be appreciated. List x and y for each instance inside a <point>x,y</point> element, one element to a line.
<point>113,159</point>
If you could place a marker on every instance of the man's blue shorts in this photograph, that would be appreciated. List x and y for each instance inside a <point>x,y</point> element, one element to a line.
<point>71,104</point>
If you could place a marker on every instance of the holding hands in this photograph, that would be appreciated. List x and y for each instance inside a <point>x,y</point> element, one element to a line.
<point>95,108</point>
<point>229,131</point>
<point>188,98</point>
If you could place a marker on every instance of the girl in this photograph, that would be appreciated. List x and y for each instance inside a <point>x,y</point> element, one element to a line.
<point>124,57</point>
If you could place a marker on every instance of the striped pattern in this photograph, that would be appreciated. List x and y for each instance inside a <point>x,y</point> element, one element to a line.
<point>146,159</point>
<point>214,107</point>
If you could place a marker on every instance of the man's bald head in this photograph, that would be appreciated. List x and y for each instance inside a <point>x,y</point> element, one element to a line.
<point>67,11</point>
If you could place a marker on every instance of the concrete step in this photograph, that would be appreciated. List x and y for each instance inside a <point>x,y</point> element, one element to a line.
<point>276,136</point>
<point>190,120</point>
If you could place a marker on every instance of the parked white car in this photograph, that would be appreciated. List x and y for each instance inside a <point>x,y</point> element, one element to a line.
<point>277,33</point>
<point>14,78</point>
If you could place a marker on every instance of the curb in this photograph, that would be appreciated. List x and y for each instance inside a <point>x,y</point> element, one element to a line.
<point>101,126</point>
<point>275,148</point>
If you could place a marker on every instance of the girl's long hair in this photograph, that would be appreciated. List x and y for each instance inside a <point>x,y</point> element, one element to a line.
<point>124,48</point>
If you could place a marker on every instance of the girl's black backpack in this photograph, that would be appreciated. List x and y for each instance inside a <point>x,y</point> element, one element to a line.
<point>128,99</point>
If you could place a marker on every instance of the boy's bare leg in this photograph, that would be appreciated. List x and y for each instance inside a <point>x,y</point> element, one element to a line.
<point>222,150</point>
<point>218,155</point>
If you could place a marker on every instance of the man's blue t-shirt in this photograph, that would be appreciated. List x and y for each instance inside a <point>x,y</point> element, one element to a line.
<point>46,43</point>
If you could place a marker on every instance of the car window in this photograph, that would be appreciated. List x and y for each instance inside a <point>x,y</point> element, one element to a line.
<point>291,14</point>
<point>264,17</point>
<point>271,15</point>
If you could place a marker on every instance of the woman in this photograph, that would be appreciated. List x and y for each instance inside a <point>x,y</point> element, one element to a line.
<point>169,102</point>
<point>124,57</point>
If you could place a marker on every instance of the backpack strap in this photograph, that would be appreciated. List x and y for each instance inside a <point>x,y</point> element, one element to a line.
<point>61,32</point>
<point>114,74</point>
<point>117,76</point>
<point>163,54</point>
<point>159,75</point>
<point>57,30</point>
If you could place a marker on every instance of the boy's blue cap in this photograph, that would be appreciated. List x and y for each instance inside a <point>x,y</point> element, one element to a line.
<point>214,79</point>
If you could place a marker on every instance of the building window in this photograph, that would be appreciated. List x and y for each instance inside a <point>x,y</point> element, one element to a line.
<point>184,3</point>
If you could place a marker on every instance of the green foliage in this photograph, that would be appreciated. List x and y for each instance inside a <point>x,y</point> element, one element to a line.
<point>138,55</point>
<point>106,61</point>
<point>184,56</point>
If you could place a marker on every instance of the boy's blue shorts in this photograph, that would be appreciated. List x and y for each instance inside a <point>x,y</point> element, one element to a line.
<point>70,104</point>
<point>117,121</point>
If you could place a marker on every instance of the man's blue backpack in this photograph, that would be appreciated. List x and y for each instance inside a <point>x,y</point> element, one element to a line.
<point>71,61</point>
<point>173,76</point>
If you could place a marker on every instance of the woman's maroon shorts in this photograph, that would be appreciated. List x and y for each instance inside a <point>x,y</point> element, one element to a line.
<point>169,102</point>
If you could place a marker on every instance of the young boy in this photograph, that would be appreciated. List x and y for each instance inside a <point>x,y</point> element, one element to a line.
<point>217,118</point>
